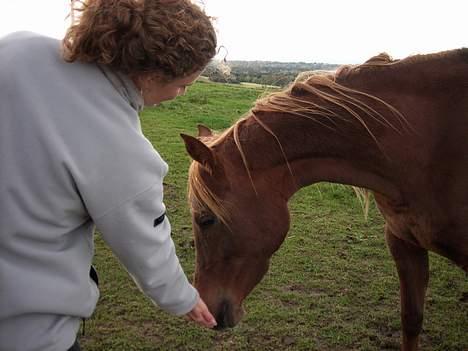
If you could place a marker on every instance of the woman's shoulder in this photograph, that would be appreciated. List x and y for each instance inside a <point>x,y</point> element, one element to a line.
<point>19,49</point>
<point>26,39</point>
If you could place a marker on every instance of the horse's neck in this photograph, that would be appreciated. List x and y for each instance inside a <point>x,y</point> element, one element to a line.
<point>358,149</point>
<point>308,152</point>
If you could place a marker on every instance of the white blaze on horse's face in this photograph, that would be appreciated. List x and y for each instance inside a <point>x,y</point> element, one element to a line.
<point>232,257</point>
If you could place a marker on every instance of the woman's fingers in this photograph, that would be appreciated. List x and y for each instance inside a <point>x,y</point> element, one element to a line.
<point>201,315</point>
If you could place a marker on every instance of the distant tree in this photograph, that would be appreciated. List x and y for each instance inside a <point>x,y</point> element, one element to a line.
<point>261,72</point>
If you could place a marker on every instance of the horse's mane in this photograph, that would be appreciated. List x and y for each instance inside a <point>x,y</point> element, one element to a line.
<point>296,100</point>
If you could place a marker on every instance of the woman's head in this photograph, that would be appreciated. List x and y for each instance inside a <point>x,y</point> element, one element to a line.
<point>170,38</point>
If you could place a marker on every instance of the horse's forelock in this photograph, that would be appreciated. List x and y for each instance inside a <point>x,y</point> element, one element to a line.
<point>201,195</point>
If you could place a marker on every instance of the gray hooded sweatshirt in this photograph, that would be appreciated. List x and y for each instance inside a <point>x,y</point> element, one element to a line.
<point>72,158</point>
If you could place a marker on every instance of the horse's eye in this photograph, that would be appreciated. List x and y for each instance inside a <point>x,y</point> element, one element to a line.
<point>206,221</point>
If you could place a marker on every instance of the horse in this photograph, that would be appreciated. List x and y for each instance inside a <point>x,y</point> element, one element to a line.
<point>396,128</point>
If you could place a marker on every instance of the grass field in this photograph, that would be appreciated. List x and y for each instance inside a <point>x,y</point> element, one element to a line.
<point>331,286</point>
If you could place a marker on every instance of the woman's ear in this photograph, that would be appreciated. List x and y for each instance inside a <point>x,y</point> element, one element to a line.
<point>138,79</point>
<point>144,80</point>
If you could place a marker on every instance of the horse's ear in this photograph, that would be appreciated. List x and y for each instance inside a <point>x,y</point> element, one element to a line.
<point>204,131</point>
<point>199,152</point>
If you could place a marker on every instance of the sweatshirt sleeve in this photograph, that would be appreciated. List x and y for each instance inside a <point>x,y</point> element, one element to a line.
<point>139,234</point>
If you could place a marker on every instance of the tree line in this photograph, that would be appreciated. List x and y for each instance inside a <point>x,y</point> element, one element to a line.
<point>261,72</point>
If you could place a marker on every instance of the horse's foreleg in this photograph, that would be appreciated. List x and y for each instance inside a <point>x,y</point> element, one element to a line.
<point>413,270</point>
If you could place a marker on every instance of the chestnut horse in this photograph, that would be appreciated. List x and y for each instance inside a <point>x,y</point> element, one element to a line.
<point>398,128</point>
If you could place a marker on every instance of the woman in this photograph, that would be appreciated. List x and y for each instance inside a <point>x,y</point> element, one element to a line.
<point>74,158</point>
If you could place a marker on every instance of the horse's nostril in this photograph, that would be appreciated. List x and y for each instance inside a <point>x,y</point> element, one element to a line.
<point>224,316</point>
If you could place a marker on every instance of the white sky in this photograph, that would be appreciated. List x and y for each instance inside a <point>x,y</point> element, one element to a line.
<point>333,31</point>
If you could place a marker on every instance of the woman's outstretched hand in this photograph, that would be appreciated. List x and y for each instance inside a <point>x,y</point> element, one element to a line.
<point>201,315</point>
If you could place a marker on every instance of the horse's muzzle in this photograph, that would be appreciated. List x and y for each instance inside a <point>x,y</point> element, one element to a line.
<point>228,315</point>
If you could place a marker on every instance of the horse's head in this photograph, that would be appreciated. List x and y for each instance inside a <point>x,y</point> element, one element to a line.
<point>237,227</point>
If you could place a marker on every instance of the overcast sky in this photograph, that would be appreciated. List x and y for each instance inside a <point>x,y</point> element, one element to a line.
<point>333,31</point>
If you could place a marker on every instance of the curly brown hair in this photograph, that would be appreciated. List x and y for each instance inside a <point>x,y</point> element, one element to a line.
<point>172,38</point>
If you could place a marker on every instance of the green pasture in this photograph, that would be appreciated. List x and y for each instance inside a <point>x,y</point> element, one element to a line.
<point>331,286</point>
